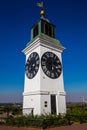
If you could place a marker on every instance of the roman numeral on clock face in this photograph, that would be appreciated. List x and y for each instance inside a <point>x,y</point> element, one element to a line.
<point>43,63</point>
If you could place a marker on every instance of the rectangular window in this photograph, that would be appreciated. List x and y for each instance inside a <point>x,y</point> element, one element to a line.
<point>47,28</point>
<point>50,31</point>
<point>35,31</point>
<point>42,26</point>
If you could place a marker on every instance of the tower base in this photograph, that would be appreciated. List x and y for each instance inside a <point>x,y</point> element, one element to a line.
<point>38,103</point>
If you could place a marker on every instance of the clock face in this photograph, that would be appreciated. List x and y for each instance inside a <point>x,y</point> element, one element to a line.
<point>51,65</point>
<point>32,65</point>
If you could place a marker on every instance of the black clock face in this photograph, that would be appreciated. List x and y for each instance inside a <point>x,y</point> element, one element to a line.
<point>51,65</point>
<point>32,65</point>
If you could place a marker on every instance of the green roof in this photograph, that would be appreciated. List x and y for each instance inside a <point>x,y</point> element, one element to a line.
<point>47,38</point>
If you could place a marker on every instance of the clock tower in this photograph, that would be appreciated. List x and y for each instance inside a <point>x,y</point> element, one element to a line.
<point>43,86</point>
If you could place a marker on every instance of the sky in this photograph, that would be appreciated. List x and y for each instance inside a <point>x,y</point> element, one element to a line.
<point>16,20</point>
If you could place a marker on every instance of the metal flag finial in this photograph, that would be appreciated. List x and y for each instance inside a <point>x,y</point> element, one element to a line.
<point>41,5</point>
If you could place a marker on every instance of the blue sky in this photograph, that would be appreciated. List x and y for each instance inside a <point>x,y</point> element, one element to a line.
<point>16,19</point>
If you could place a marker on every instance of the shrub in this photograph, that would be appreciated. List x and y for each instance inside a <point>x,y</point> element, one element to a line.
<point>37,121</point>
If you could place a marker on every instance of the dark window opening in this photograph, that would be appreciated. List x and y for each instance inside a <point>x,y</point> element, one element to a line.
<point>42,27</point>
<point>35,31</point>
<point>47,29</point>
<point>50,31</point>
<point>53,32</point>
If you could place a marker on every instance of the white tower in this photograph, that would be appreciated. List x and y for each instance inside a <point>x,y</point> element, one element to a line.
<point>43,87</point>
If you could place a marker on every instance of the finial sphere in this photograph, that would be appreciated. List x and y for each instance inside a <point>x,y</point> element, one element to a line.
<point>42,12</point>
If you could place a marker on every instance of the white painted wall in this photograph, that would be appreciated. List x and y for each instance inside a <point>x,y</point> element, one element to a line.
<point>45,110</point>
<point>32,102</point>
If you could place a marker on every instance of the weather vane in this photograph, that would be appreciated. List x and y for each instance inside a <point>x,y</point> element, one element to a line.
<point>41,5</point>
